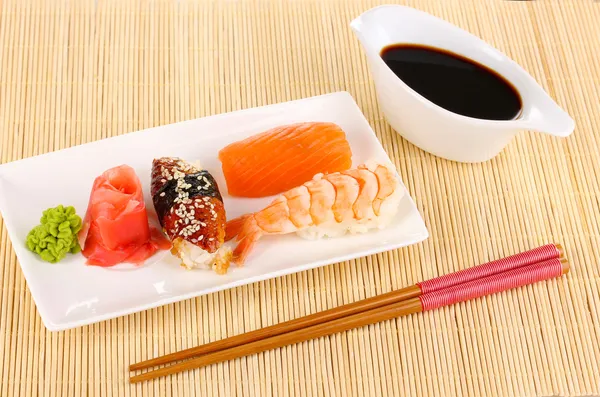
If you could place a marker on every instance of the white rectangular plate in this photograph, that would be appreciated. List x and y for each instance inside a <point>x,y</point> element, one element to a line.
<point>71,294</point>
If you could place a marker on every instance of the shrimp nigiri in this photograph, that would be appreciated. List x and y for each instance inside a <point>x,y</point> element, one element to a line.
<point>331,205</point>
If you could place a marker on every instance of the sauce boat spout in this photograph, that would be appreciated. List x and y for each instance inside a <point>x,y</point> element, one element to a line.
<point>542,114</point>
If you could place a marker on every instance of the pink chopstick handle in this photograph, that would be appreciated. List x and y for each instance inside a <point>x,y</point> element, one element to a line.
<point>540,254</point>
<point>493,284</point>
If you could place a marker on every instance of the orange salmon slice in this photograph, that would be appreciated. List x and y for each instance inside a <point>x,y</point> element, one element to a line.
<point>284,157</point>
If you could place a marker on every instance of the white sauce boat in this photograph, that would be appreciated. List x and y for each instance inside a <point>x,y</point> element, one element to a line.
<point>431,127</point>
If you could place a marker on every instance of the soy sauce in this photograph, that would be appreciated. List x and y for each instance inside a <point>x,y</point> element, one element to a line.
<point>454,82</point>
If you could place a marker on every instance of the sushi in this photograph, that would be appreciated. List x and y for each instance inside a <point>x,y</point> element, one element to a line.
<point>279,159</point>
<point>115,227</point>
<point>191,212</point>
<point>330,205</point>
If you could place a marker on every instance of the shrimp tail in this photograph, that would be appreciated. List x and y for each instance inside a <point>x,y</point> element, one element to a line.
<point>234,227</point>
<point>244,248</point>
<point>248,236</point>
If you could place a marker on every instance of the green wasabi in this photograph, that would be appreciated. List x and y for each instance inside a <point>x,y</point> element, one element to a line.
<point>56,235</point>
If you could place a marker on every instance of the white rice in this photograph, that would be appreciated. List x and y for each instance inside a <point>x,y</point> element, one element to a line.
<point>194,257</point>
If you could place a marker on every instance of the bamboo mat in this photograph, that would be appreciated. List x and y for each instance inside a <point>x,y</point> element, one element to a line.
<point>77,71</point>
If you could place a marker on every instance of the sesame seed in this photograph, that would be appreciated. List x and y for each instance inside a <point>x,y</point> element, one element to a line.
<point>211,239</point>
<point>162,194</point>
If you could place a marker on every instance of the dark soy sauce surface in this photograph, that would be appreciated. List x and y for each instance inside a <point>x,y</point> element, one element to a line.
<point>454,82</point>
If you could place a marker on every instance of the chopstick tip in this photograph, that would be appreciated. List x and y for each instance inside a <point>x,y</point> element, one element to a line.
<point>137,366</point>
<point>134,379</point>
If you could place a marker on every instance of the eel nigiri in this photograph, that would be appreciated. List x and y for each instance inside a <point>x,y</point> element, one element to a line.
<point>191,212</point>
<point>331,205</point>
<point>276,160</point>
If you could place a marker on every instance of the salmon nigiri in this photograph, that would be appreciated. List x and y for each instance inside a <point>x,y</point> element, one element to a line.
<point>283,157</point>
<point>331,205</point>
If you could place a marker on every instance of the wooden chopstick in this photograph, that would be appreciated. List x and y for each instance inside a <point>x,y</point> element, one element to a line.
<point>429,301</point>
<point>545,252</point>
